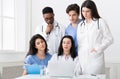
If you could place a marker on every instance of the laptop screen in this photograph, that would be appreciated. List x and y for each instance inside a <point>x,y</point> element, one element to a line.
<point>61,69</point>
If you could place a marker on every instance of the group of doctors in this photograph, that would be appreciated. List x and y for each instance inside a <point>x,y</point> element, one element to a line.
<point>83,41</point>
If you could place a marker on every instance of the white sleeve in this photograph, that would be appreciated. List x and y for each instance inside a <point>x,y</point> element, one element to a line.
<point>107,36</point>
<point>78,34</point>
<point>62,30</point>
<point>78,69</point>
<point>54,57</point>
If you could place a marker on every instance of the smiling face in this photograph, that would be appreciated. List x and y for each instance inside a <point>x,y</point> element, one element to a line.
<point>49,18</point>
<point>73,16</point>
<point>86,12</point>
<point>40,44</point>
<point>66,44</point>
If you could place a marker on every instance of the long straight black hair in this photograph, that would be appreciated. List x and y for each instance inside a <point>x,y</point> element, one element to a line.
<point>32,49</point>
<point>72,50</point>
<point>92,6</point>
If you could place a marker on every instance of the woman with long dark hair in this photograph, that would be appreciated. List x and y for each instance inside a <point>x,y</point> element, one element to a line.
<point>37,54</point>
<point>66,55</point>
<point>66,51</point>
<point>93,37</point>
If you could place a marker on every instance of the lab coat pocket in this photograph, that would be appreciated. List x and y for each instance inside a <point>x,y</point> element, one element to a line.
<point>94,55</point>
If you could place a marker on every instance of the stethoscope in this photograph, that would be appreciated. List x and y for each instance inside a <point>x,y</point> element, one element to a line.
<point>57,30</point>
<point>84,24</point>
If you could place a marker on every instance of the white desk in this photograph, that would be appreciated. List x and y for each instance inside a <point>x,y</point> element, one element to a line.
<point>80,77</point>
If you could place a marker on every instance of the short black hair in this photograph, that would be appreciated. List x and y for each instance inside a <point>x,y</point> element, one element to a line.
<point>47,10</point>
<point>73,7</point>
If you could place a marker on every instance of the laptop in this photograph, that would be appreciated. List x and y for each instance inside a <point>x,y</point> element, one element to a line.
<point>60,69</point>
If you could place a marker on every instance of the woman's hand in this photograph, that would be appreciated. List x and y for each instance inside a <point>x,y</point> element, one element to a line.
<point>24,72</point>
<point>93,50</point>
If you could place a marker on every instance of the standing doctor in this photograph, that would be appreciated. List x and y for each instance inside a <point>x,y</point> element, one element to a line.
<point>93,37</point>
<point>51,30</point>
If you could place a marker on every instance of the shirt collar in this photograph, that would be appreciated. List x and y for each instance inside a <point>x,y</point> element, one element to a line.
<point>66,57</point>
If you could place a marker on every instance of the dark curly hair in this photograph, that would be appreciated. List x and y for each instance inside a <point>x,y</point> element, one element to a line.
<point>47,10</point>
<point>73,7</point>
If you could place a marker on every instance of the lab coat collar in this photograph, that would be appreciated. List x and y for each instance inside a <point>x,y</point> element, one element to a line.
<point>68,57</point>
<point>94,19</point>
<point>55,23</point>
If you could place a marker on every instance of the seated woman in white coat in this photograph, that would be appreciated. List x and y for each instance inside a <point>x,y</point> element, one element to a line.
<point>93,37</point>
<point>67,53</point>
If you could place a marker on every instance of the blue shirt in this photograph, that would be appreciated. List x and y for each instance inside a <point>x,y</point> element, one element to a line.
<point>72,31</point>
<point>34,60</point>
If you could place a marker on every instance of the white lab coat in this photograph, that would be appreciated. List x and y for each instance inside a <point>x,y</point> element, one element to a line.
<point>94,35</point>
<point>53,39</point>
<point>63,58</point>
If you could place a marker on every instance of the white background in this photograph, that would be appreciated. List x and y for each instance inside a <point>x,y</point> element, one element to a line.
<point>108,9</point>
<point>28,14</point>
